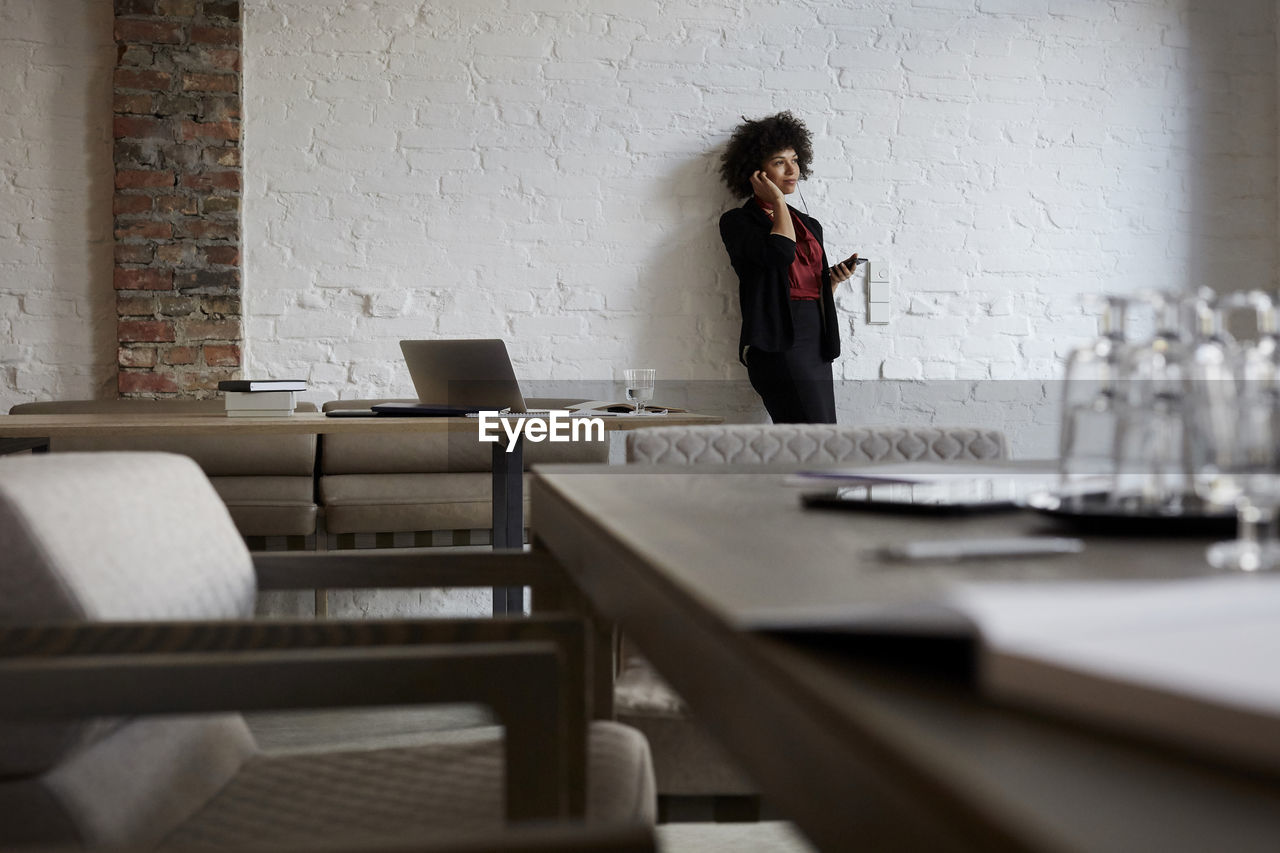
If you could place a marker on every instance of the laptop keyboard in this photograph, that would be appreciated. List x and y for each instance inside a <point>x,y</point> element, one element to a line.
<point>538,412</point>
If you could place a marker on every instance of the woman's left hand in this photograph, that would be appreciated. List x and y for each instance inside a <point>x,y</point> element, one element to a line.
<point>841,272</point>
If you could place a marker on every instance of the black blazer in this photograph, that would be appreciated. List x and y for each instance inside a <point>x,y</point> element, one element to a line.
<point>761,259</point>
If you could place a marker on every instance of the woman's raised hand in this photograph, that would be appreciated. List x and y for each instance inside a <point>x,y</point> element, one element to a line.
<point>766,189</point>
<point>842,271</point>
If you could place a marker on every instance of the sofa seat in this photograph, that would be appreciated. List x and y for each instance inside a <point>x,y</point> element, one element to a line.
<point>379,503</point>
<point>270,505</point>
<point>436,481</point>
<point>441,785</point>
<point>267,482</point>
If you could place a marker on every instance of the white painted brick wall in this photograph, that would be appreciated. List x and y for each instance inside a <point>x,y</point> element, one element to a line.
<point>547,175</point>
<point>57,306</point>
<point>544,171</point>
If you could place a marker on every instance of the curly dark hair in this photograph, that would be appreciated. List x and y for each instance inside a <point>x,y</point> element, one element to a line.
<point>754,141</point>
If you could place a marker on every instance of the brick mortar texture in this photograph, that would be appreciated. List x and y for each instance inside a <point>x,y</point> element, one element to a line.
<point>544,171</point>
<point>176,127</point>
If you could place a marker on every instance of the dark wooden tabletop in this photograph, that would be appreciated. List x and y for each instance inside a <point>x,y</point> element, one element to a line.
<point>904,754</point>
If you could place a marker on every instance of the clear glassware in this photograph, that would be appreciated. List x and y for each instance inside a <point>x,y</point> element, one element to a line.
<point>1254,459</point>
<point>1257,502</point>
<point>1261,353</point>
<point>1151,468</point>
<point>1259,364</point>
<point>1212,439</point>
<point>1256,547</point>
<point>1087,449</point>
<point>640,382</point>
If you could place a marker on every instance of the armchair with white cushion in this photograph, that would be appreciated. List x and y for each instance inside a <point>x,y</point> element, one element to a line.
<point>128,649</point>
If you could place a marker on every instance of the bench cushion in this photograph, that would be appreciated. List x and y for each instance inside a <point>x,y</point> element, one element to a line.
<point>453,450</point>
<point>267,482</point>
<point>756,444</point>
<point>269,505</point>
<point>440,480</point>
<point>385,503</point>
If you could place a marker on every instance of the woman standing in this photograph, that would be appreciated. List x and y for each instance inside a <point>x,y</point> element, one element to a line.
<point>785,287</point>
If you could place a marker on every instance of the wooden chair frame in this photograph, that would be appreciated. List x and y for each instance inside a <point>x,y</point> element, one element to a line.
<point>534,672</point>
<point>552,591</point>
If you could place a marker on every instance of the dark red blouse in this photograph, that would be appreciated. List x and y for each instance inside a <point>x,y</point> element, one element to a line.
<point>805,273</point>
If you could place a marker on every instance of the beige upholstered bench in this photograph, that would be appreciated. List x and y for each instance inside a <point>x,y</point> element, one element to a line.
<point>267,482</point>
<point>816,444</point>
<point>421,490</point>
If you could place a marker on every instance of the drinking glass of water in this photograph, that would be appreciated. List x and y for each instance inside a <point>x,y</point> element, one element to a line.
<point>640,385</point>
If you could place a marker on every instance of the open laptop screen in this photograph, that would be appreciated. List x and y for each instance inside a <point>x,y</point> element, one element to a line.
<point>466,375</point>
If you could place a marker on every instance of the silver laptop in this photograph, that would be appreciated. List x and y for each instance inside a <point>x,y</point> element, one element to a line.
<point>459,376</point>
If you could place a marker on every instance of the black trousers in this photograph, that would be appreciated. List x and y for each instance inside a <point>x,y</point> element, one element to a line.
<point>796,384</point>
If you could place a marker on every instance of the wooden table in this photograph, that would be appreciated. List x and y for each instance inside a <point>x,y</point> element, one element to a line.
<point>300,423</point>
<point>860,753</point>
<point>25,432</point>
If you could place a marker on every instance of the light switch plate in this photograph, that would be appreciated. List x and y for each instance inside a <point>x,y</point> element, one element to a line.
<point>877,291</point>
<point>878,312</point>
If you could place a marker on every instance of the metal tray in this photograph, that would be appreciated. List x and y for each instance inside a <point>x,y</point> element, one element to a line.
<point>1096,515</point>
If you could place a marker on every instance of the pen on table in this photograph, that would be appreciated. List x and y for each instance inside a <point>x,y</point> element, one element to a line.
<point>963,549</point>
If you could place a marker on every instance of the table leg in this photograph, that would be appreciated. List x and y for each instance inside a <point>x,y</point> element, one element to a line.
<point>508,517</point>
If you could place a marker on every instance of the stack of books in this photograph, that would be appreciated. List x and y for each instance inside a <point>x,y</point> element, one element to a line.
<point>261,398</point>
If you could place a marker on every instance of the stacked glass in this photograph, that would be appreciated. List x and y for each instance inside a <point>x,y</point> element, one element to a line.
<point>1090,397</point>
<point>1184,422</point>
<point>1246,472</point>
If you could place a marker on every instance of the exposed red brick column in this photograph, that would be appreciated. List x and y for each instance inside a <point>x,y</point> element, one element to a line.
<point>177,195</point>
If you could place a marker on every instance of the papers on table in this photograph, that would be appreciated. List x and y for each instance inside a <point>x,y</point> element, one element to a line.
<point>939,484</point>
<point>1193,662</point>
<point>1042,472</point>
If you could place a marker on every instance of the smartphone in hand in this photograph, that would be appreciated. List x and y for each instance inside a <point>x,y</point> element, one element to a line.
<point>853,260</point>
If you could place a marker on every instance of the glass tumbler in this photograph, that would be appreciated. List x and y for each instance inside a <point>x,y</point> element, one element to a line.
<point>1150,469</point>
<point>1256,472</point>
<point>640,382</point>
<point>1087,448</point>
<point>1254,454</point>
<point>1213,438</point>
